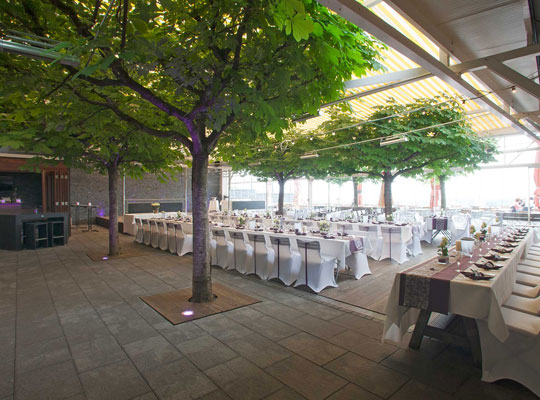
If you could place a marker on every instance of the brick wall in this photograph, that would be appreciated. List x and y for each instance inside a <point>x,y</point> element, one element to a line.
<point>94,188</point>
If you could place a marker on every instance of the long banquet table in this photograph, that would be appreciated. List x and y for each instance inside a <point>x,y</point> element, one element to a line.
<point>432,287</point>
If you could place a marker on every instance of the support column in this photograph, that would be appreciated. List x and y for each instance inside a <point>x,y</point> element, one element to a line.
<point>310,193</point>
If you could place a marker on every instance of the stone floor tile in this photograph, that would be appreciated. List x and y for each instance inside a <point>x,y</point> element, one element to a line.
<point>131,330</point>
<point>216,395</point>
<point>51,382</point>
<point>222,328</point>
<point>368,327</point>
<point>278,311</point>
<point>363,345</point>
<point>505,389</point>
<point>285,393</point>
<point>96,353</point>
<point>317,327</point>
<point>306,378</point>
<point>30,332</point>
<point>146,396</point>
<point>7,369</point>
<point>118,381</point>
<point>312,348</point>
<point>271,328</point>
<point>244,314</point>
<point>242,380</point>
<point>311,307</point>
<point>179,380</point>
<point>413,390</point>
<point>151,352</point>
<point>41,354</point>
<point>430,371</point>
<point>353,392</point>
<point>259,350</point>
<point>177,334</point>
<point>206,351</point>
<point>371,376</point>
<point>83,327</point>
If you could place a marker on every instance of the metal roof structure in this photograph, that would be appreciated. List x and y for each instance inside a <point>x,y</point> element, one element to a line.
<point>483,51</point>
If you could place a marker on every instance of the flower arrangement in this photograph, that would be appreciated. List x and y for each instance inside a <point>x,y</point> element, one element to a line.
<point>472,229</point>
<point>241,221</point>
<point>179,214</point>
<point>155,207</point>
<point>324,226</point>
<point>268,215</point>
<point>443,247</point>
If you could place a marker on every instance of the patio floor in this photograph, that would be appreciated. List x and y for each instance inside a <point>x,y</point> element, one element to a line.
<point>71,328</point>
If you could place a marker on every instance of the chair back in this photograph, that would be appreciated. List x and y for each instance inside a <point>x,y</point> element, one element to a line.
<point>310,251</point>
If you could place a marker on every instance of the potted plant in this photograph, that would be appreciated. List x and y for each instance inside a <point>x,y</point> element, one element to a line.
<point>444,258</point>
<point>472,229</point>
<point>155,207</point>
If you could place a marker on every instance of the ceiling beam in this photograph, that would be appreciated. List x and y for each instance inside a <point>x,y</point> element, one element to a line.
<point>388,77</point>
<point>514,77</point>
<point>367,20</point>
<point>483,62</point>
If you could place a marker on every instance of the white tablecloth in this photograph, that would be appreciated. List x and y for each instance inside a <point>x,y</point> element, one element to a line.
<point>475,299</point>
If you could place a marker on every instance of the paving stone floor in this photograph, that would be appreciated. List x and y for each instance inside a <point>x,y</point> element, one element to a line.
<point>73,329</point>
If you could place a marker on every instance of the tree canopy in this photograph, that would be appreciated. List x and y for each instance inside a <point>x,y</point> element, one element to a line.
<point>437,136</point>
<point>196,70</point>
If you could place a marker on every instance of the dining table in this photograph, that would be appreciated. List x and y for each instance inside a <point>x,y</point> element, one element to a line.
<point>450,289</point>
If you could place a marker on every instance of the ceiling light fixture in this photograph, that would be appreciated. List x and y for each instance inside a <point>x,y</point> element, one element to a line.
<point>398,139</point>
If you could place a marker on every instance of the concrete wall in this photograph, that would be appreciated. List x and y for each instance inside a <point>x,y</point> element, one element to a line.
<point>94,188</point>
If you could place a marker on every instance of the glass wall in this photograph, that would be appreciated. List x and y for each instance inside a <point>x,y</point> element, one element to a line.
<point>487,187</point>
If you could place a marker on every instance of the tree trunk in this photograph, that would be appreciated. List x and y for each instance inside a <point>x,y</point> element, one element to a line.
<point>281,196</point>
<point>442,185</point>
<point>388,194</point>
<point>202,274</point>
<point>114,242</point>
<point>355,193</point>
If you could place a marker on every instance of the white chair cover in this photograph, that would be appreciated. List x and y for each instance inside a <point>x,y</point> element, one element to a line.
<point>163,235</point>
<point>224,249</point>
<point>154,233</point>
<point>517,357</point>
<point>139,235</point>
<point>242,252</point>
<point>393,247</point>
<point>147,239</point>
<point>184,241</point>
<point>287,261</point>
<point>375,238</point>
<point>171,237</point>
<point>316,271</point>
<point>415,247</point>
<point>357,261</point>
<point>263,256</point>
<point>213,248</point>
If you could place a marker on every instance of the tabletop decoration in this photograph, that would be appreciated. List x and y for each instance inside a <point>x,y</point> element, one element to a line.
<point>155,207</point>
<point>472,229</point>
<point>324,226</point>
<point>443,251</point>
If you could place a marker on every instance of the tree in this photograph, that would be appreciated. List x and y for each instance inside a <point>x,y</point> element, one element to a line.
<point>280,160</point>
<point>197,70</point>
<point>91,139</point>
<point>436,132</point>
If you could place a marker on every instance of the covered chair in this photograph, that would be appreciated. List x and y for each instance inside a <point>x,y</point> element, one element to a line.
<point>517,357</point>
<point>154,233</point>
<point>163,234</point>
<point>393,247</point>
<point>415,246</point>
<point>375,238</point>
<point>184,240</point>
<point>357,261</point>
<point>287,261</point>
<point>224,249</point>
<point>147,239</point>
<point>263,255</point>
<point>242,252</point>
<point>213,248</point>
<point>171,236</point>
<point>317,271</point>
<point>139,236</point>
